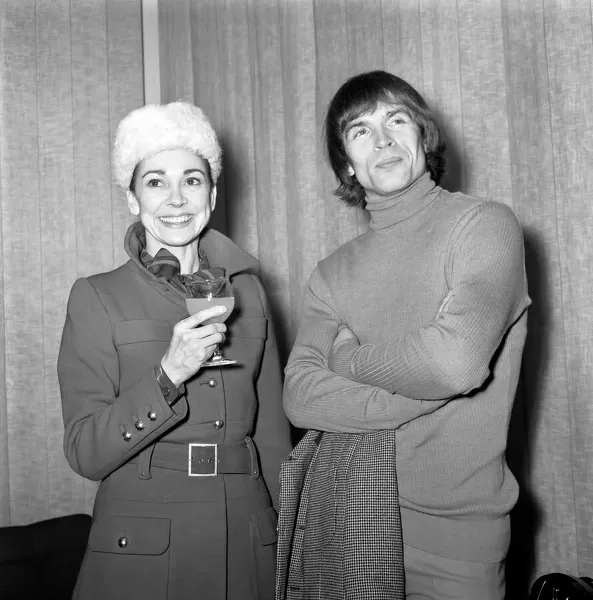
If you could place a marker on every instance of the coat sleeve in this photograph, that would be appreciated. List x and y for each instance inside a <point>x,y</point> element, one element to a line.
<point>317,398</point>
<point>97,414</point>
<point>451,355</point>
<point>272,435</point>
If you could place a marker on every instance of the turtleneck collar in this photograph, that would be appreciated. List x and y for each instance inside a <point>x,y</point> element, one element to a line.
<point>390,210</point>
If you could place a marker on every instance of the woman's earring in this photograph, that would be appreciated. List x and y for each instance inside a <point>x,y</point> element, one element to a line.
<point>350,171</point>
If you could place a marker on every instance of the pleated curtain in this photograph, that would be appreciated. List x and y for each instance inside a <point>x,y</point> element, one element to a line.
<point>69,71</point>
<point>512,83</point>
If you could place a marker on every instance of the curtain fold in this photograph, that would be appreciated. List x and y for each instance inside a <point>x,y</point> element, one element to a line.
<point>69,71</point>
<point>511,82</point>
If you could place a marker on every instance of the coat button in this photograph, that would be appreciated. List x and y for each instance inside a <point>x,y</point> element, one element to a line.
<point>123,542</point>
<point>127,436</point>
<point>219,424</point>
<point>212,383</point>
<point>140,425</point>
<point>152,415</point>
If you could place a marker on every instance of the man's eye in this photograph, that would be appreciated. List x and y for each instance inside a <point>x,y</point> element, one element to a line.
<point>399,120</point>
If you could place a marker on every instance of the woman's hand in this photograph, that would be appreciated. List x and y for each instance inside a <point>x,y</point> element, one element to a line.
<point>191,345</point>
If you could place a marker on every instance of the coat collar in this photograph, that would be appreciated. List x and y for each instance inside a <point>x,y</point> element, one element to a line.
<point>219,249</point>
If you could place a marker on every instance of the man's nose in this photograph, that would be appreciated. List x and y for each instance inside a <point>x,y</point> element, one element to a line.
<point>382,140</point>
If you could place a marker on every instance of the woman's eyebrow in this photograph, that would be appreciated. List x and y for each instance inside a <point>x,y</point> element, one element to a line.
<point>155,171</point>
<point>162,173</point>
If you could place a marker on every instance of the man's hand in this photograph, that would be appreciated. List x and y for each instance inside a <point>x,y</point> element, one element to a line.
<point>345,334</point>
<point>339,362</point>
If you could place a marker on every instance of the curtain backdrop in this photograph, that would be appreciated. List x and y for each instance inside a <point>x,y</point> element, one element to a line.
<point>68,72</point>
<point>512,82</point>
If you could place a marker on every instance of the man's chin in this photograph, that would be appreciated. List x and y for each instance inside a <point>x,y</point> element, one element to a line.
<point>393,187</point>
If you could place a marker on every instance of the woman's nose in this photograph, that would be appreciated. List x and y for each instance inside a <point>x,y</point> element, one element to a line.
<point>177,198</point>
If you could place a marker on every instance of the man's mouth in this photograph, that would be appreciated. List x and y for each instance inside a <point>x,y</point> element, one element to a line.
<point>386,163</point>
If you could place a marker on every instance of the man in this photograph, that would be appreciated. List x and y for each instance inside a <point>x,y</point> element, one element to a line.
<point>415,328</point>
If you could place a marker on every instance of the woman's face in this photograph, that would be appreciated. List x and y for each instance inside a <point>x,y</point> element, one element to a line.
<point>174,198</point>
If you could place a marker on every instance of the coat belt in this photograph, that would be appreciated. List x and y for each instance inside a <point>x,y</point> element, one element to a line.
<point>200,459</point>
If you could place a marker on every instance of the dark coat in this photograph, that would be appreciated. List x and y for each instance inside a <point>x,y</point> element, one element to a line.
<point>339,527</point>
<point>186,537</point>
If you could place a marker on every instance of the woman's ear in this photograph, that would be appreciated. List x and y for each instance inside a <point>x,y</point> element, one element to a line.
<point>213,193</point>
<point>133,203</point>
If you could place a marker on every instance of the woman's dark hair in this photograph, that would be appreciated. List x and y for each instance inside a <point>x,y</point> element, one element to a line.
<point>361,94</point>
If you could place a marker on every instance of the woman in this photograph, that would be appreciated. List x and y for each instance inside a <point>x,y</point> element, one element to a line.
<point>188,456</point>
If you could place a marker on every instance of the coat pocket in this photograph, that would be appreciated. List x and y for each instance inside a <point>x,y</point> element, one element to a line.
<point>264,542</point>
<point>141,330</point>
<point>322,509</point>
<point>127,557</point>
<point>139,343</point>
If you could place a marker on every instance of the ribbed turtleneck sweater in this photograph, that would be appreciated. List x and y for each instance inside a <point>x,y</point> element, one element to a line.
<point>436,293</point>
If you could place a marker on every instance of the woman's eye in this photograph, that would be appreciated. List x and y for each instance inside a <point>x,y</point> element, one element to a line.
<point>154,183</point>
<point>193,181</point>
<point>358,132</point>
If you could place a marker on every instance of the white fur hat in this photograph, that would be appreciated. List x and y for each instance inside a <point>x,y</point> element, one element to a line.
<point>153,128</point>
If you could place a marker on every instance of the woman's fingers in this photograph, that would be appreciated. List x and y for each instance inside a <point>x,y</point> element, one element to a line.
<point>201,316</point>
<point>204,336</point>
<point>193,343</point>
<point>201,333</point>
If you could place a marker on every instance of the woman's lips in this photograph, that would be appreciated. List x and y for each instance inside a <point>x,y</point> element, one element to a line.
<point>175,220</point>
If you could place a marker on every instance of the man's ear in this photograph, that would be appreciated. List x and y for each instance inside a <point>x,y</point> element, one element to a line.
<point>213,194</point>
<point>133,203</point>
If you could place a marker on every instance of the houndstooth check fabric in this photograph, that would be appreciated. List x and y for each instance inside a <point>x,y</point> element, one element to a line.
<point>339,527</point>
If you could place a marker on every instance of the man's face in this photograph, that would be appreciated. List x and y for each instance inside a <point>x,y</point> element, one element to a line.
<point>385,150</point>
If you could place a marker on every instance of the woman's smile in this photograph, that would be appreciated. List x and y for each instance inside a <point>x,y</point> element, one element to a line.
<point>174,197</point>
<point>176,221</point>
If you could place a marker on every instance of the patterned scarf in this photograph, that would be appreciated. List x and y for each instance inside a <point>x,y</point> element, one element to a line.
<point>165,266</point>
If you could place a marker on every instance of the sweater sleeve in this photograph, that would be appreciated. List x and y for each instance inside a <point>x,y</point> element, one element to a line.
<point>272,434</point>
<point>97,415</point>
<point>451,355</point>
<point>317,398</point>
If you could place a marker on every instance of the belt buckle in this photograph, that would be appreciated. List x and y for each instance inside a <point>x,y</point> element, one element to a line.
<point>189,461</point>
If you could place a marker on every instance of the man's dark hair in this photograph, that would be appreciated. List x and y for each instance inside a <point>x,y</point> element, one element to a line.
<point>361,94</point>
